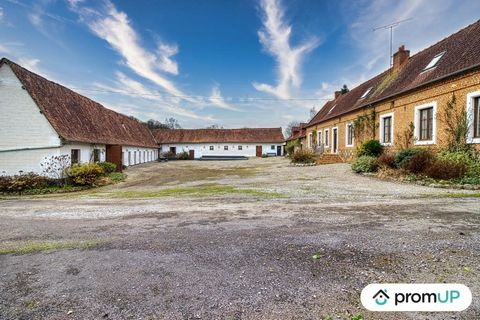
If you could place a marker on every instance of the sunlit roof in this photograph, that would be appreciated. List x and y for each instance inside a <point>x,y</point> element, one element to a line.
<point>434,61</point>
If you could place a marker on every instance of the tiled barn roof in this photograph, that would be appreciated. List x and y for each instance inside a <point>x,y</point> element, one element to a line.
<point>461,52</point>
<point>77,118</point>
<point>244,135</point>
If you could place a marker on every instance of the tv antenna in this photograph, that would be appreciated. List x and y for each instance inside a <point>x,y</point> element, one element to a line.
<point>391,26</point>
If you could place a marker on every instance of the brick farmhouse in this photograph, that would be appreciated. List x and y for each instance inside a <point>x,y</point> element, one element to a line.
<point>405,105</point>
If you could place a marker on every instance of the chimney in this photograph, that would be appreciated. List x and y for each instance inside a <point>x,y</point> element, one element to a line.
<point>400,57</point>
<point>338,94</point>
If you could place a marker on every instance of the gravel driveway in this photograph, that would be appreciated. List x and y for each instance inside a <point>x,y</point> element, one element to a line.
<point>233,240</point>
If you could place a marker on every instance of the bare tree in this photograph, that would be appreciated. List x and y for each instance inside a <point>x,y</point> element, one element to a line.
<point>290,125</point>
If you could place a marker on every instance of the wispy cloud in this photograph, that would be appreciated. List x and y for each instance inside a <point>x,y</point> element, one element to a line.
<point>115,27</point>
<point>217,100</point>
<point>275,39</point>
<point>129,87</point>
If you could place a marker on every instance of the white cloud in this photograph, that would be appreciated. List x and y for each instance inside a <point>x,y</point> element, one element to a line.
<point>217,100</point>
<point>114,27</point>
<point>275,38</point>
<point>131,88</point>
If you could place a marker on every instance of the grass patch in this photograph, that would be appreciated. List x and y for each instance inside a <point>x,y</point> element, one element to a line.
<point>27,247</point>
<point>462,195</point>
<point>116,177</point>
<point>196,191</point>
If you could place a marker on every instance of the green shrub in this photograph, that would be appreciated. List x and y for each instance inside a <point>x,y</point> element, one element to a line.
<point>365,164</point>
<point>303,156</point>
<point>107,167</point>
<point>23,181</point>
<point>403,156</point>
<point>419,162</point>
<point>85,174</point>
<point>370,148</point>
<point>446,169</point>
<point>290,147</point>
<point>386,160</point>
<point>183,156</point>
<point>470,159</point>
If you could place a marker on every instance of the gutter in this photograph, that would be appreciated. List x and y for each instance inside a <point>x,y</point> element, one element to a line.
<point>28,149</point>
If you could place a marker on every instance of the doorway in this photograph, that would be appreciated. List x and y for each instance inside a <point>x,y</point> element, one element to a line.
<point>258,151</point>
<point>191,154</point>
<point>334,140</point>
<point>279,151</point>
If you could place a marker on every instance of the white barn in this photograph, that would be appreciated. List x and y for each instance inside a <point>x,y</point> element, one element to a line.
<point>40,118</point>
<point>199,143</point>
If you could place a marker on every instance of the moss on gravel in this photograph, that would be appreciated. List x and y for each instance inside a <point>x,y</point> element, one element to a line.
<point>26,247</point>
<point>196,191</point>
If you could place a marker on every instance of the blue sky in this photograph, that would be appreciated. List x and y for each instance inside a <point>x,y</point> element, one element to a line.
<point>234,63</point>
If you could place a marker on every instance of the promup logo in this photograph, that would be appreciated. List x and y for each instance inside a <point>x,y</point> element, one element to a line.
<point>416,297</point>
<point>381,297</point>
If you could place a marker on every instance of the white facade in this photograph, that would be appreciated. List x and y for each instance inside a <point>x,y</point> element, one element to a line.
<point>224,149</point>
<point>27,138</point>
<point>136,155</point>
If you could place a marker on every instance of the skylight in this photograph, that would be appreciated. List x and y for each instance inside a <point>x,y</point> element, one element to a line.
<point>366,93</point>
<point>434,61</point>
<point>332,109</point>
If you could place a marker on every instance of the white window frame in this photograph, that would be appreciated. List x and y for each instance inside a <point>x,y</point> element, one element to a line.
<point>319,138</point>
<point>325,135</point>
<point>416,136</point>
<point>470,97</point>
<point>382,128</point>
<point>346,135</point>
<point>310,140</point>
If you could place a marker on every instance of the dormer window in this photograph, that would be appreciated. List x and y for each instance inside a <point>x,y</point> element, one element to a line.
<point>366,93</point>
<point>434,61</point>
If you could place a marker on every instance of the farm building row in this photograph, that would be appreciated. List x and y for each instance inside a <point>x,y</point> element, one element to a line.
<point>41,119</point>
<point>406,105</point>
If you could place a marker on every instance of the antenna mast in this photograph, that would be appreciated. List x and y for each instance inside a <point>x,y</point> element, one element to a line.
<point>391,26</point>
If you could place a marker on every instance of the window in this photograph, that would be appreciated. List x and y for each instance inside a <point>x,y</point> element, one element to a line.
<point>326,137</point>
<point>473,116</point>
<point>331,109</point>
<point>349,135</point>
<point>129,157</point>
<point>425,124</point>
<point>75,156</point>
<point>310,140</point>
<point>434,61</point>
<point>386,129</point>
<point>272,147</point>
<point>225,148</point>
<point>319,137</point>
<point>476,117</point>
<point>96,155</point>
<point>365,94</point>
<point>211,148</point>
<point>240,148</point>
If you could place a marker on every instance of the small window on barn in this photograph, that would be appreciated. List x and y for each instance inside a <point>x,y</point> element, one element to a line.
<point>211,148</point>
<point>272,147</point>
<point>225,148</point>
<point>75,156</point>
<point>365,94</point>
<point>240,148</point>
<point>434,61</point>
<point>96,155</point>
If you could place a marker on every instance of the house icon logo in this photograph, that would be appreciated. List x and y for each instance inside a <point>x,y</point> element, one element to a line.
<point>381,297</point>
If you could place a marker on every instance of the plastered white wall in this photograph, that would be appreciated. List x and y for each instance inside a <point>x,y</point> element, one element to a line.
<point>203,149</point>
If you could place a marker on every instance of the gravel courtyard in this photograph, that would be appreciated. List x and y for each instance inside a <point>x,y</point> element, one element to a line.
<point>255,239</point>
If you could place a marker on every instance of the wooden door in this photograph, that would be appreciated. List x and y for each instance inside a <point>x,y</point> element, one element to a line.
<point>114,155</point>
<point>335,141</point>
<point>191,154</point>
<point>258,151</point>
<point>279,151</point>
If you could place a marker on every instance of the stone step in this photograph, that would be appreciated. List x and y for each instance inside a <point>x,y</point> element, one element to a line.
<point>329,158</point>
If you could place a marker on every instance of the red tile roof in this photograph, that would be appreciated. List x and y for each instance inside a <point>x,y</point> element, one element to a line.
<point>298,132</point>
<point>461,54</point>
<point>77,118</point>
<point>245,135</point>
